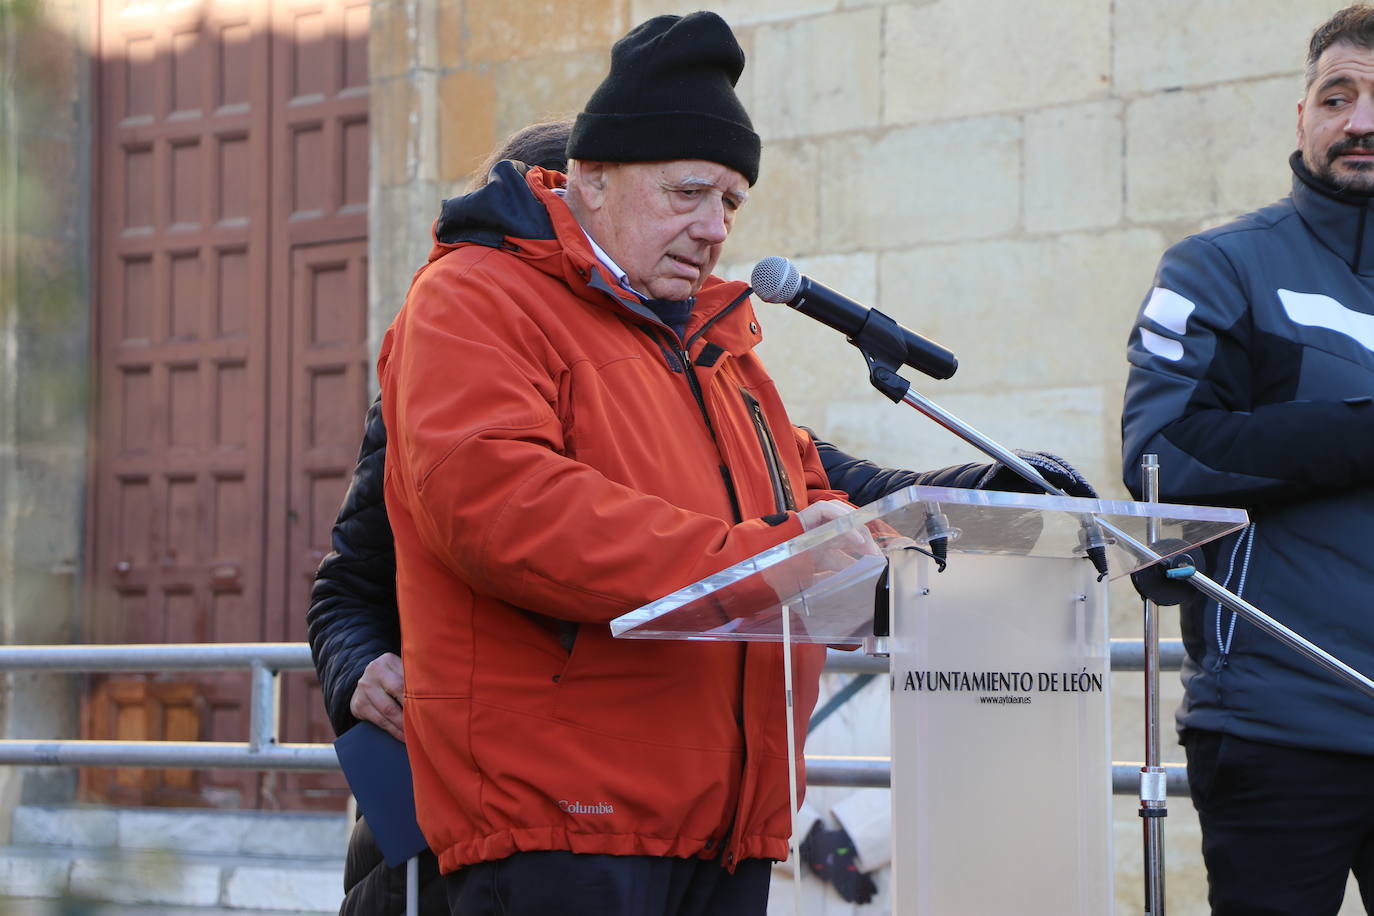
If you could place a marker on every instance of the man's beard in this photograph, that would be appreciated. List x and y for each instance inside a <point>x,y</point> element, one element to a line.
<point>1355,176</point>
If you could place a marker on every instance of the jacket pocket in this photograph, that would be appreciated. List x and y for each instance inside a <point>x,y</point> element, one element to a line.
<point>783,500</point>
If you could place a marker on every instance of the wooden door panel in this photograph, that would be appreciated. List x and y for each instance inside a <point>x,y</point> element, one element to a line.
<point>320,272</point>
<point>181,331</point>
<point>231,210</point>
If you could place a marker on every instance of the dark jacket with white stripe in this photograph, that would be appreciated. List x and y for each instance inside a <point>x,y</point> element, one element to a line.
<point>1252,377</point>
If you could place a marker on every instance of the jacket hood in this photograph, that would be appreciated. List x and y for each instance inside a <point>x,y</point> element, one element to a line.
<point>503,207</point>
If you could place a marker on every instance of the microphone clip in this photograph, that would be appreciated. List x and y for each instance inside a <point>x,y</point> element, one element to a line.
<point>880,341</point>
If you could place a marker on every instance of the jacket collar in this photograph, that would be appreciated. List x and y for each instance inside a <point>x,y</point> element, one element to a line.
<point>519,211</point>
<point>1340,219</point>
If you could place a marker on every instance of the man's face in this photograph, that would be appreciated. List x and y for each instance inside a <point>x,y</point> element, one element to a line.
<point>664,222</point>
<point>1336,119</point>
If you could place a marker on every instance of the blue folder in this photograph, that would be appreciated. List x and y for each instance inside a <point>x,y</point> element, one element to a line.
<point>378,771</point>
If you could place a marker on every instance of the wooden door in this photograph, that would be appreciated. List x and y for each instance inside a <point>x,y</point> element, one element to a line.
<point>231,143</point>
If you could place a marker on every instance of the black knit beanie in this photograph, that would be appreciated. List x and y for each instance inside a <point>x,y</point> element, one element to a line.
<point>670,94</point>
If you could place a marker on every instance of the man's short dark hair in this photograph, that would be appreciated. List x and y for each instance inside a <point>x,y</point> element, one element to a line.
<point>1353,25</point>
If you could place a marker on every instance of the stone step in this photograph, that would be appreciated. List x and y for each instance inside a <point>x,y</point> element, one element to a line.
<point>194,830</point>
<point>160,878</point>
<point>22,906</point>
<point>240,861</point>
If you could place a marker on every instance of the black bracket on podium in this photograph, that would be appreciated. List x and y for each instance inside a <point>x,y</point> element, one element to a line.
<point>1166,582</point>
<point>880,341</point>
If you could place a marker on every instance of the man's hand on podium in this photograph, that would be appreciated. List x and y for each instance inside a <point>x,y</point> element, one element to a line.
<point>843,550</point>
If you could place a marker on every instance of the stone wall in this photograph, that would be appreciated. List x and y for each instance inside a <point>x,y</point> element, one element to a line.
<point>1000,175</point>
<point>44,360</point>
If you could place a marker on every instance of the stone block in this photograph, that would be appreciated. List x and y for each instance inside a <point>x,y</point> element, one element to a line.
<point>1073,171</point>
<point>249,833</point>
<point>399,223</point>
<point>47,66</point>
<point>739,12</point>
<point>145,879</point>
<point>26,875</point>
<point>816,76</point>
<point>466,104</point>
<point>395,132</point>
<point>53,185</point>
<point>300,835</point>
<point>1158,45</point>
<point>528,90</point>
<point>1048,312</point>
<point>781,215</point>
<point>929,183</point>
<point>1193,153</point>
<point>45,705</point>
<point>184,831</point>
<point>51,487</point>
<point>1021,54</point>
<point>52,330</point>
<point>498,30</point>
<point>449,23</point>
<point>257,888</point>
<point>36,825</point>
<point>391,40</point>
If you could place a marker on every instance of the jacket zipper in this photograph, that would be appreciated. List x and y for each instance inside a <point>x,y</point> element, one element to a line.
<point>1246,539</point>
<point>782,487</point>
<point>679,350</point>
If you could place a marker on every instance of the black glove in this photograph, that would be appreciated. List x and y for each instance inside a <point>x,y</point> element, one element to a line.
<point>830,855</point>
<point>1053,468</point>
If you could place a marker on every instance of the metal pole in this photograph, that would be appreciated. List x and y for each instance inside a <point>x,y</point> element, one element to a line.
<point>413,886</point>
<point>263,703</point>
<point>1154,806</point>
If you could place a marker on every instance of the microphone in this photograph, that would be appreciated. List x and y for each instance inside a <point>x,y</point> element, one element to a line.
<point>777,279</point>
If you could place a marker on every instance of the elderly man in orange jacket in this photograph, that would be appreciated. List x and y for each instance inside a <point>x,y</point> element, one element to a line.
<point>579,425</point>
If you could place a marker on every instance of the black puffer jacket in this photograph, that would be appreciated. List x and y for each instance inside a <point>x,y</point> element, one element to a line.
<point>352,617</point>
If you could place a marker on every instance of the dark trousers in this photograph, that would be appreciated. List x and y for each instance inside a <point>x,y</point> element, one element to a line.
<point>1282,827</point>
<point>568,884</point>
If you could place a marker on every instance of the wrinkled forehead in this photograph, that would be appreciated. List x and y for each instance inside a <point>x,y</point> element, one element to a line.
<point>1341,63</point>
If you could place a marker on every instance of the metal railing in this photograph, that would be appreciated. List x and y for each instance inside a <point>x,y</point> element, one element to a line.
<point>264,751</point>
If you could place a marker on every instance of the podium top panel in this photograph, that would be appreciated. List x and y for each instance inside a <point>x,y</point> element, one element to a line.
<point>828,575</point>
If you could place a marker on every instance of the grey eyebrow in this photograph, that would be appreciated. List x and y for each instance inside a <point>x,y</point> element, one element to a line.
<point>693,181</point>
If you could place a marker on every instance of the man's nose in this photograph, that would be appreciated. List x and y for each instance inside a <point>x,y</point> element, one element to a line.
<point>712,224</point>
<point>1361,116</point>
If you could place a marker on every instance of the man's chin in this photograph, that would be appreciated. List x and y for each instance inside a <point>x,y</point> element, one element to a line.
<point>1352,176</point>
<point>675,289</point>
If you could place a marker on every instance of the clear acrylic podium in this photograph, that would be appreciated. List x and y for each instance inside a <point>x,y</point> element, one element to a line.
<point>1001,765</point>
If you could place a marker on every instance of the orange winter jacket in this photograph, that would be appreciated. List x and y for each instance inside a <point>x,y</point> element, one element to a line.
<point>557,458</point>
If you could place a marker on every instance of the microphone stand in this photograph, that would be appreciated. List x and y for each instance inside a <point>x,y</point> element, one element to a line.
<point>1154,803</point>
<point>884,354</point>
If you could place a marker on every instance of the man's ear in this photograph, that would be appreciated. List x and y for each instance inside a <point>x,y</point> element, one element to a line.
<point>1300,101</point>
<point>590,179</point>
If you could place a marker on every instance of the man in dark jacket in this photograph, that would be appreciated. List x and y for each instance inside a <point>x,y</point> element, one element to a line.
<point>1252,376</point>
